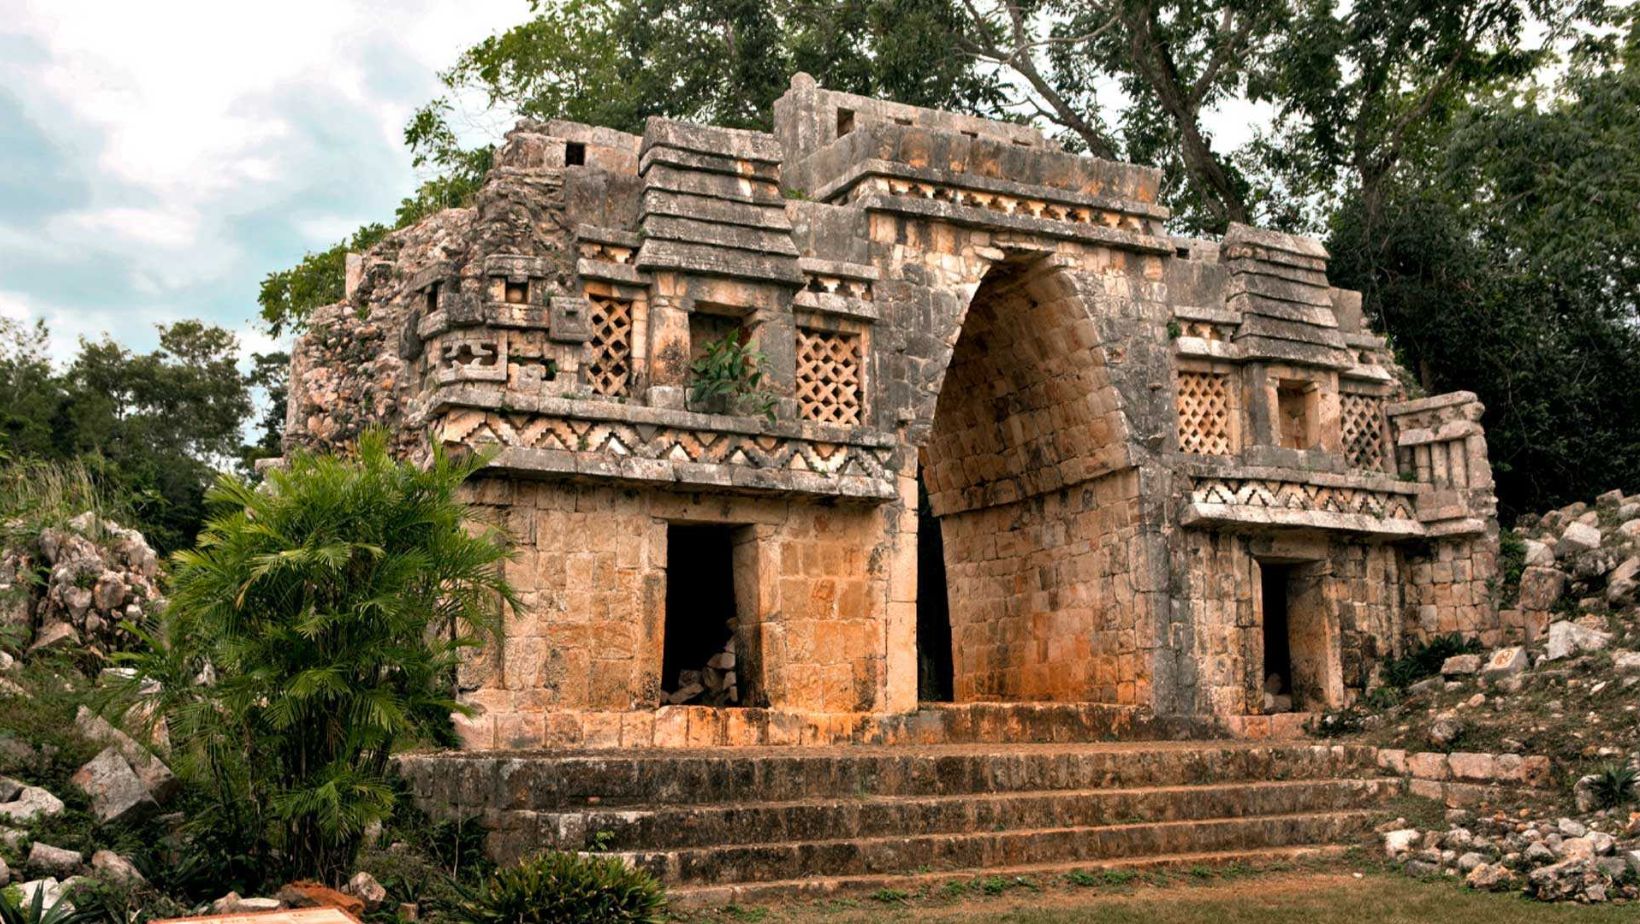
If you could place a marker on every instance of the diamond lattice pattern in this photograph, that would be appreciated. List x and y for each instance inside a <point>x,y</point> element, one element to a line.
<point>1204,413</point>
<point>828,376</point>
<point>1363,427</point>
<point>609,364</point>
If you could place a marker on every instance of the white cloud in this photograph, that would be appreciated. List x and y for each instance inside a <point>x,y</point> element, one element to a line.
<point>169,228</point>
<point>210,143</point>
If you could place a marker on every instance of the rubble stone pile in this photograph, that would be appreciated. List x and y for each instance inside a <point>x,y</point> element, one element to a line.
<point>81,587</point>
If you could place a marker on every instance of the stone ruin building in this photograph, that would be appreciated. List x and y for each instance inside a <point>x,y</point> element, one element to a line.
<point>1021,466</point>
<point>1014,443</point>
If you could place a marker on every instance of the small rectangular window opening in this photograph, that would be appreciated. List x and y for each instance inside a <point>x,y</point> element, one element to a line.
<point>575,154</point>
<point>432,296</point>
<point>845,121</point>
<point>517,293</point>
<point>1296,408</point>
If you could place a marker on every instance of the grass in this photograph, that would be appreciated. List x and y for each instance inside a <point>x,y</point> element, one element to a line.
<point>1299,897</point>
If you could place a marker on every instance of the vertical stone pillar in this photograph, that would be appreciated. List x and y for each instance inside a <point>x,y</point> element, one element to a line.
<point>668,343</point>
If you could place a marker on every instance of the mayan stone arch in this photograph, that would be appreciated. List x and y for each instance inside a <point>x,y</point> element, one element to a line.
<point>1169,477</point>
<point>1023,470</point>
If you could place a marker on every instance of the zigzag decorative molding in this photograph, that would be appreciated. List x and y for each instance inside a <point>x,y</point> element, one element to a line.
<point>1293,495</point>
<point>766,453</point>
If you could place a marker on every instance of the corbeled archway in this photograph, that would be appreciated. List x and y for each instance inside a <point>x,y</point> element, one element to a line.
<point>1026,468</point>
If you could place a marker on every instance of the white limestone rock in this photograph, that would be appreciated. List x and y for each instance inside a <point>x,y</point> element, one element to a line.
<point>1568,638</point>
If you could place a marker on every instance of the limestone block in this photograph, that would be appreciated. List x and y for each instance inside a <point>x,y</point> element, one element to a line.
<point>1568,638</point>
<point>1463,665</point>
<point>1504,663</point>
<point>1540,588</point>
<point>1578,537</point>
<point>117,793</point>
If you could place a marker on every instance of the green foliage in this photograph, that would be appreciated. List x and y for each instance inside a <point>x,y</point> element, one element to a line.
<point>37,493</point>
<point>1425,659</point>
<point>561,888</point>
<point>331,606</point>
<point>1511,563</point>
<point>37,912</point>
<point>149,429</point>
<point>728,373</point>
<point>1614,785</point>
<point>287,297</point>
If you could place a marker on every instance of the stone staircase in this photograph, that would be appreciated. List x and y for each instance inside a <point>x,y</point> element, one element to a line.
<point>747,824</point>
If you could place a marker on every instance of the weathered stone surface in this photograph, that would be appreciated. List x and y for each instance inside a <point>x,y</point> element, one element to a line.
<point>55,861</point>
<point>365,888</point>
<point>117,794</point>
<point>112,867</point>
<point>1505,662</point>
<point>1568,638</point>
<point>1461,665</point>
<point>32,803</point>
<point>1541,587</point>
<point>306,894</point>
<point>1578,537</point>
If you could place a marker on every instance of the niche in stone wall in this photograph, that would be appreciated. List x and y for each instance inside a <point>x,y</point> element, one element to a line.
<point>708,650</point>
<point>1298,414</point>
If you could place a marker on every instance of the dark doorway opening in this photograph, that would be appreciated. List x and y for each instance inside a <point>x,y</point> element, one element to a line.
<point>1277,682</point>
<point>698,657</point>
<point>935,680</point>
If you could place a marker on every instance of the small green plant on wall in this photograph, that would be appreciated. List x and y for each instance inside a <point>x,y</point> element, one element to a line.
<point>728,377</point>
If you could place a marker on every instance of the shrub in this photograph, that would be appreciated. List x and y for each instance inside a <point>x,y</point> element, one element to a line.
<point>15,911</point>
<point>565,888</point>
<point>1511,563</point>
<point>316,628</point>
<point>729,372</point>
<point>1614,785</point>
<point>1425,659</point>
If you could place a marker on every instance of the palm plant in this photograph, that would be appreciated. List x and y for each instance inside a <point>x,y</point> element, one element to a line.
<point>315,629</point>
<point>60,911</point>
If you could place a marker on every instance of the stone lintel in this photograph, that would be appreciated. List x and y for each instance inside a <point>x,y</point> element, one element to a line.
<point>1200,467</point>
<point>1257,518</point>
<point>1432,403</point>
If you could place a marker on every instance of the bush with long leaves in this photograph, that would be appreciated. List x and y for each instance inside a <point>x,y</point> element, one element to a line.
<point>315,629</point>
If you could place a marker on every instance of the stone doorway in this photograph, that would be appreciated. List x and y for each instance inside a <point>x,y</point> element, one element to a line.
<point>935,682</point>
<point>707,645</point>
<point>1299,666</point>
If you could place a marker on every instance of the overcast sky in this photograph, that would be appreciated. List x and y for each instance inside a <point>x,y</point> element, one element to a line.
<point>158,159</point>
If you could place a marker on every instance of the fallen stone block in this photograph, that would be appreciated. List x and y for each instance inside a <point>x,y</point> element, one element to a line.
<point>111,867</point>
<point>117,793</point>
<point>32,803</point>
<point>1505,662</point>
<point>55,861</point>
<point>1568,638</point>
<point>1462,665</point>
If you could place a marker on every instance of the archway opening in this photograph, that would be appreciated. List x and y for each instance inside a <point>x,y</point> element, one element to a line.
<point>1031,515</point>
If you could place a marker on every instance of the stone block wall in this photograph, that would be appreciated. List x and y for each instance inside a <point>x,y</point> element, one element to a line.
<point>1045,601</point>
<point>590,568</point>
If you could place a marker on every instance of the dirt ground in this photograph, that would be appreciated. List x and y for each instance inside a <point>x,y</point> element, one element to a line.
<point>1206,896</point>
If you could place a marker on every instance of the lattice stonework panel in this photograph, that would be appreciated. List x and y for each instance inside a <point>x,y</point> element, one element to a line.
<point>1363,426</point>
<point>609,352</point>
<point>828,376</point>
<point>1204,413</point>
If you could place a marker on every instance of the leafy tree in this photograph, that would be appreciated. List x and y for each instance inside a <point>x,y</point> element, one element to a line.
<point>1511,268</point>
<point>316,628</point>
<point>270,372</point>
<point>153,428</point>
<point>30,394</point>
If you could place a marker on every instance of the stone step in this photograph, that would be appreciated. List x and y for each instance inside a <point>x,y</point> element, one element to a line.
<point>680,826</point>
<point>817,887</point>
<point>467,783</point>
<point>979,851</point>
